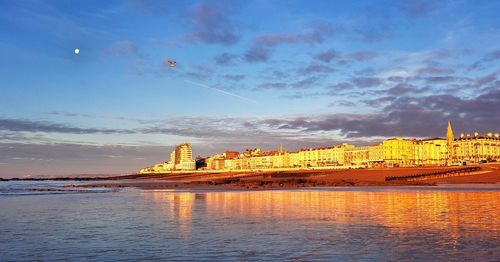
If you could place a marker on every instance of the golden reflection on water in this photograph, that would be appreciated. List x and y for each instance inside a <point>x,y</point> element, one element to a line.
<point>178,205</point>
<point>401,212</point>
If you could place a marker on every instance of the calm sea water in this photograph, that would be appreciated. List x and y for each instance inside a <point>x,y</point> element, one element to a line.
<point>332,224</point>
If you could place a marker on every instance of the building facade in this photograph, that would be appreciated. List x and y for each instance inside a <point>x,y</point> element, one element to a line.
<point>184,157</point>
<point>476,148</point>
<point>393,152</point>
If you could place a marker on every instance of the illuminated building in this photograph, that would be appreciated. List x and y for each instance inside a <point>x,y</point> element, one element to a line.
<point>376,155</point>
<point>476,148</point>
<point>393,152</point>
<point>184,157</point>
<point>432,151</point>
<point>218,162</point>
<point>399,151</point>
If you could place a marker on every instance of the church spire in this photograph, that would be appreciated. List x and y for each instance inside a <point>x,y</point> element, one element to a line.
<point>449,134</point>
<point>449,143</point>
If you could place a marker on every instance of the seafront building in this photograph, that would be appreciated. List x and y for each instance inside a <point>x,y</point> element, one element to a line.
<point>476,148</point>
<point>181,159</point>
<point>393,152</point>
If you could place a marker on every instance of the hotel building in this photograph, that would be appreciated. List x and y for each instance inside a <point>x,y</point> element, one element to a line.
<point>180,159</point>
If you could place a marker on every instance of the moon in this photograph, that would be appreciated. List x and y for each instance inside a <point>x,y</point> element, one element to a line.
<point>77,51</point>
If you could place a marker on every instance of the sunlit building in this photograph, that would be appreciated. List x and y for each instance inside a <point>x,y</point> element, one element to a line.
<point>431,151</point>
<point>376,155</point>
<point>184,157</point>
<point>399,151</point>
<point>320,157</point>
<point>476,148</point>
<point>393,152</point>
<point>218,162</point>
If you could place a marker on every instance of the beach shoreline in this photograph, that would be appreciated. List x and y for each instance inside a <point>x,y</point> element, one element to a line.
<point>284,179</point>
<point>301,179</point>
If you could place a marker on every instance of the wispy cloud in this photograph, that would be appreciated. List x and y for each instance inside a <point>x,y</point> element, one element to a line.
<point>23,125</point>
<point>363,82</point>
<point>487,58</point>
<point>257,54</point>
<point>225,59</point>
<point>327,56</point>
<point>234,77</point>
<point>68,114</point>
<point>314,34</point>
<point>212,26</point>
<point>125,47</point>
<point>417,8</point>
<point>316,68</point>
<point>363,55</point>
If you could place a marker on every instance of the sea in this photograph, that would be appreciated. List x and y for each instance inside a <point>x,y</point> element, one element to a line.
<point>47,221</point>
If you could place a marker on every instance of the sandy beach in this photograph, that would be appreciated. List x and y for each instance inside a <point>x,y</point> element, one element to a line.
<point>298,179</point>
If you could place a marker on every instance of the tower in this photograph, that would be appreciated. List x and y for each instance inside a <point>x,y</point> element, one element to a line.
<point>449,142</point>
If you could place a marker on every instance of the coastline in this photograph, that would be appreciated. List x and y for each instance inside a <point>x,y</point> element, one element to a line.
<point>300,179</point>
<point>281,179</point>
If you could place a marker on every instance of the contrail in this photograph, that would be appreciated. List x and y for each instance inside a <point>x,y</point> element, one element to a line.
<point>222,91</point>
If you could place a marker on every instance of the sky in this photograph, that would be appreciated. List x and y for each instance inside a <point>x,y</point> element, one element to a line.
<point>248,74</point>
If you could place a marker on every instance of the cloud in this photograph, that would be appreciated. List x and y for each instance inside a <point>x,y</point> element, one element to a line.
<point>200,72</point>
<point>257,54</point>
<point>487,58</point>
<point>275,74</point>
<point>363,55</point>
<point>416,8</point>
<point>343,103</point>
<point>327,56</point>
<point>68,114</point>
<point>341,86</point>
<point>275,85</point>
<point>21,125</point>
<point>316,33</point>
<point>445,54</point>
<point>316,68</point>
<point>487,79</point>
<point>435,70</point>
<point>308,82</point>
<point>375,102</point>
<point>287,38</point>
<point>441,79</point>
<point>406,116</point>
<point>234,77</point>
<point>125,47</point>
<point>402,89</point>
<point>363,82</point>
<point>212,26</point>
<point>70,159</point>
<point>224,59</point>
<point>492,56</point>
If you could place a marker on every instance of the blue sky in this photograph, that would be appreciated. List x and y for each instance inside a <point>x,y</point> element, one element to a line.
<point>249,73</point>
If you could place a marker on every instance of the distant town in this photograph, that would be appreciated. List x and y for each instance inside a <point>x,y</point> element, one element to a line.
<point>395,152</point>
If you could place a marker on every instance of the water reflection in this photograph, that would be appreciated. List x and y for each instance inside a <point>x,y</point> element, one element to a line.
<point>324,224</point>
<point>177,206</point>
<point>401,213</point>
